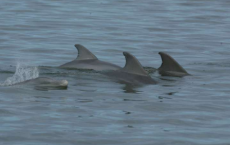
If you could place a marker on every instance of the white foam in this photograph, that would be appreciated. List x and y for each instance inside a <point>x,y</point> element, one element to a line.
<point>22,73</point>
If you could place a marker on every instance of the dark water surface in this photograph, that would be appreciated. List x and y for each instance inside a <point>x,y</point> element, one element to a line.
<point>97,111</point>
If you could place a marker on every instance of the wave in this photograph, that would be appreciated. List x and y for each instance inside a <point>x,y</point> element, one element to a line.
<point>22,74</point>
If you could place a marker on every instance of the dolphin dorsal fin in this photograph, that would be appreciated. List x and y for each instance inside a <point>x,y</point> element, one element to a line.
<point>169,64</point>
<point>133,65</point>
<point>84,53</point>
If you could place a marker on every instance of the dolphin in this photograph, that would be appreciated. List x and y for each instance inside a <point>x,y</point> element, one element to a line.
<point>43,83</point>
<point>170,67</point>
<point>46,82</point>
<point>87,60</point>
<point>132,72</point>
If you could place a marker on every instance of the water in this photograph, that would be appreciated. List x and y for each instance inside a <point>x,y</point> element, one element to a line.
<point>22,74</point>
<point>97,110</point>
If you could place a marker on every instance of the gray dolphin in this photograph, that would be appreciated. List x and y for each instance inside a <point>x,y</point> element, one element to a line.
<point>132,73</point>
<point>171,67</point>
<point>87,60</point>
<point>45,83</point>
<point>48,82</point>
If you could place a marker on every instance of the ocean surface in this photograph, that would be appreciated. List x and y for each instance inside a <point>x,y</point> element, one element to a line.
<point>37,36</point>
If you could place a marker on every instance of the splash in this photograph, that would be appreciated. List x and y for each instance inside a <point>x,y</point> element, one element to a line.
<point>22,73</point>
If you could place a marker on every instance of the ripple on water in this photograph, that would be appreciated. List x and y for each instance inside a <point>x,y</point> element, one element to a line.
<point>97,110</point>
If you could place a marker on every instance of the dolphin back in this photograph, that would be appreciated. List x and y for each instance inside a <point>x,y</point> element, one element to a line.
<point>132,73</point>
<point>170,67</point>
<point>133,65</point>
<point>84,53</point>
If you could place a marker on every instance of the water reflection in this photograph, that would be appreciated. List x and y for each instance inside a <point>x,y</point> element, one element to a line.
<point>132,100</point>
<point>171,79</point>
<point>128,88</point>
<point>171,93</point>
<point>161,97</point>
<point>47,88</point>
